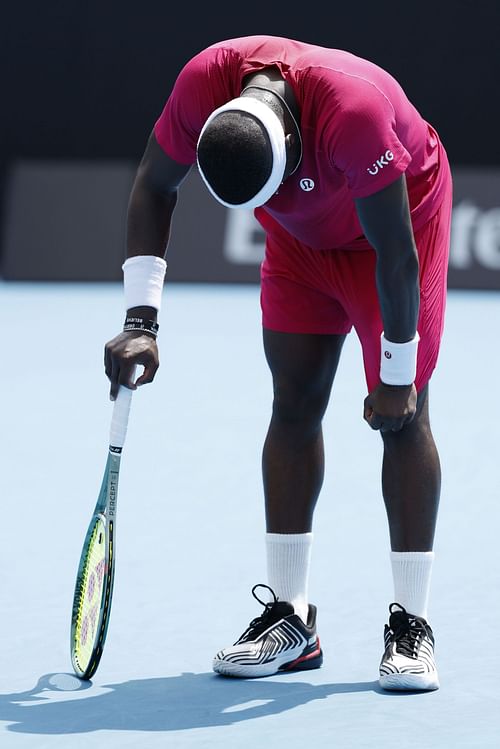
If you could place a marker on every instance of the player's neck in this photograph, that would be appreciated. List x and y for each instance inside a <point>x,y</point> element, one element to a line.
<point>270,79</point>
<point>271,88</point>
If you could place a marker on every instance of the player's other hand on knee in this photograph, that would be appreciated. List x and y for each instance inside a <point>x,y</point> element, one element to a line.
<point>123,354</point>
<point>390,407</point>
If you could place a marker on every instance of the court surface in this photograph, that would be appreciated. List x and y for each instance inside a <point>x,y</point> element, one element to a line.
<point>190,541</point>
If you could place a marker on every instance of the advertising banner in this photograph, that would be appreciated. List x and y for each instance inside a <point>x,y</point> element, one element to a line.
<point>475,238</point>
<point>66,222</point>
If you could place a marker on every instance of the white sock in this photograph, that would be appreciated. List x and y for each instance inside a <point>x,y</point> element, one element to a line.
<point>411,572</point>
<point>288,562</point>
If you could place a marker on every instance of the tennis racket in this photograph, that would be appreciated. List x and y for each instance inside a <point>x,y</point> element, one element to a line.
<point>94,581</point>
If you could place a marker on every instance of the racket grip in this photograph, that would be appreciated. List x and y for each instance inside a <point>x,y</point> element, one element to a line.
<point>119,419</point>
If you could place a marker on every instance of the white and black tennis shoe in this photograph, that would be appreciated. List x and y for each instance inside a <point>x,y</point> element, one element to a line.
<point>274,642</point>
<point>408,661</point>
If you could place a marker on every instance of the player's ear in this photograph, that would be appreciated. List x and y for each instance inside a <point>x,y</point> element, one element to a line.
<point>290,141</point>
<point>293,153</point>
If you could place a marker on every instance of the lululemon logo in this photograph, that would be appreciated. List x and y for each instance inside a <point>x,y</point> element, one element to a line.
<point>387,354</point>
<point>307,184</point>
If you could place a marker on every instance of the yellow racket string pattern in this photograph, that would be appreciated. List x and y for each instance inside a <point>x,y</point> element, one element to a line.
<point>90,591</point>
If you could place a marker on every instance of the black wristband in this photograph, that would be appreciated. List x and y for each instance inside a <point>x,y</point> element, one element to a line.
<point>138,323</point>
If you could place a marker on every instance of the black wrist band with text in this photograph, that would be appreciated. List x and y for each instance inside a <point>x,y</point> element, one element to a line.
<point>139,323</point>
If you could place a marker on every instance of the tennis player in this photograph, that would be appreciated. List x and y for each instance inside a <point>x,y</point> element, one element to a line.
<point>353,189</point>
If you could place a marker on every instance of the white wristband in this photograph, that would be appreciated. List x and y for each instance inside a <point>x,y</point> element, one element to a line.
<point>398,361</point>
<point>143,277</point>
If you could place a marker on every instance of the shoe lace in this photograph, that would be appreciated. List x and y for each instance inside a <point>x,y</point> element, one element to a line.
<point>408,631</point>
<point>260,623</point>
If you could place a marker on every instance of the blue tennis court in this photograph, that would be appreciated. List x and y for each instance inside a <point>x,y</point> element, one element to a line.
<point>190,535</point>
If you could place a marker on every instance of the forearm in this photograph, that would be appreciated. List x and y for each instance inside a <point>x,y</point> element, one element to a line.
<point>386,222</point>
<point>148,229</point>
<point>397,277</point>
<point>149,219</point>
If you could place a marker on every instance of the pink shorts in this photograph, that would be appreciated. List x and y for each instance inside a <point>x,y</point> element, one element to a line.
<point>330,291</point>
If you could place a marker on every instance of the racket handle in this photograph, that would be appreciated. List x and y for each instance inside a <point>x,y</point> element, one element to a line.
<point>119,419</point>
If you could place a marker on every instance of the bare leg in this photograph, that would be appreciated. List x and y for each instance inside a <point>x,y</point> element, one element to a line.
<point>411,482</point>
<point>303,368</point>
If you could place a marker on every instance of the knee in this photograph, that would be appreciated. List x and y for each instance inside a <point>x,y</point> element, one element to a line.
<point>415,432</point>
<point>301,405</point>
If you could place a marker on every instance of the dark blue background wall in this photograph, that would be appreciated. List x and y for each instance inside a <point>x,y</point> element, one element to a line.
<point>87,78</point>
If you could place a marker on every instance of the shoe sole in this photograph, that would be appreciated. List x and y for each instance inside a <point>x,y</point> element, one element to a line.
<point>410,682</point>
<point>238,670</point>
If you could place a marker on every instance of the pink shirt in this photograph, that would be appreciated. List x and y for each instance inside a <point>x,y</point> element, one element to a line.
<point>360,133</point>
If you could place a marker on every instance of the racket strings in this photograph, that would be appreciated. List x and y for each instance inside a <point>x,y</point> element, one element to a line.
<point>89,597</point>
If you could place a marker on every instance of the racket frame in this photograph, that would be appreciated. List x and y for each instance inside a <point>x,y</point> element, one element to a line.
<point>105,510</point>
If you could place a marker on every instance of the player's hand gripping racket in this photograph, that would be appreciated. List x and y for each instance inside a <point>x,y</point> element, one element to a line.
<point>94,582</point>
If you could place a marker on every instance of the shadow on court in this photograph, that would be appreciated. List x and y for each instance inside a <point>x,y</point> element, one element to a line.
<point>173,703</point>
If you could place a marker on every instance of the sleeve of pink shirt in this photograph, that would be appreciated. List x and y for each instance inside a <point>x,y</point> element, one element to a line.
<point>188,106</point>
<point>363,142</point>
